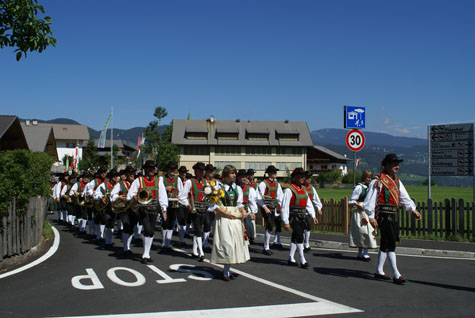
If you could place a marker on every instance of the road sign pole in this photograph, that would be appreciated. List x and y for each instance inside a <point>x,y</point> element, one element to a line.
<point>429,179</point>
<point>354,169</point>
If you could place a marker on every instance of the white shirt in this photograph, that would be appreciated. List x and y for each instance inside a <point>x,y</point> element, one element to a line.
<point>226,188</point>
<point>54,191</point>
<point>252,200</point>
<point>117,188</point>
<point>73,190</point>
<point>61,188</point>
<point>261,189</point>
<point>372,198</point>
<point>89,190</point>
<point>316,200</point>
<point>285,207</point>
<point>179,187</point>
<point>183,195</point>
<point>101,191</point>
<point>162,192</point>
<point>356,193</point>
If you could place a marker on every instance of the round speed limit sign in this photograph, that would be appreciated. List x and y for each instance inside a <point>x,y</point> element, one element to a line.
<point>355,140</point>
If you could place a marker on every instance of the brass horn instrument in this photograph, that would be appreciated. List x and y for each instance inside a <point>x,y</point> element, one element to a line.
<point>144,196</point>
<point>88,201</point>
<point>119,206</point>
<point>99,205</point>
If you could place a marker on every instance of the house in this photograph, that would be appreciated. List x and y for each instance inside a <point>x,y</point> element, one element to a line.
<point>40,139</point>
<point>67,137</point>
<point>125,150</point>
<point>321,159</point>
<point>244,144</point>
<point>11,134</point>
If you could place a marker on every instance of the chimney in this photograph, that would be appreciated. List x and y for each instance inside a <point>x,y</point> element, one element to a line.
<point>34,122</point>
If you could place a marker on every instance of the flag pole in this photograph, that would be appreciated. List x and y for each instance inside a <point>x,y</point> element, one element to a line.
<point>112,137</point>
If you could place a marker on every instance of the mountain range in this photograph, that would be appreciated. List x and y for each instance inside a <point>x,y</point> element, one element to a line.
<point>413,150</point>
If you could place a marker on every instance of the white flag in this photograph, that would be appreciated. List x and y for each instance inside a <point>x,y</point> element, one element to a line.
<point>102,138</point>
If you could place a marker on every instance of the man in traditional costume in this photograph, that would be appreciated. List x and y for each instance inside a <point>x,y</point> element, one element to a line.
<point>381,205</point>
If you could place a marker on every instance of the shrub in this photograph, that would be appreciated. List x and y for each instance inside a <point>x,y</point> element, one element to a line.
<point>23,174</point>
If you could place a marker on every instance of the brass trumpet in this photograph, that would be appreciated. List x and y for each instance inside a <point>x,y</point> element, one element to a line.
<point>119,206</point>
<point>88,201</point>
<point>144,196</point>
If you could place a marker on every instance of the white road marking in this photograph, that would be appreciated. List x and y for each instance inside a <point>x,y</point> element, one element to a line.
<point>275,311</point>
<point>40,260</point>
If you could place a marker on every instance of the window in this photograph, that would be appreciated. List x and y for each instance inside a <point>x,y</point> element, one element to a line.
<point>196,136</point>
<point>196,150</point>
<point>228,150</point>
<point>283,166</point>
<point>258,151</point>
<point>258,137</point>
<point>222,164</point>
<point>228,136</point>
<point>257,165</point>
<point>288,137</point>
<point>289,151</point>
<point>70,145</point>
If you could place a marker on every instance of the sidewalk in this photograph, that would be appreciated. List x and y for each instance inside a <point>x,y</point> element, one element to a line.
<point>408,246</point>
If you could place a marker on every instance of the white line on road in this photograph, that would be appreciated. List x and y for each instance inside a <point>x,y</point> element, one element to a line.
<point>275,311</point>
<point>40,260</point>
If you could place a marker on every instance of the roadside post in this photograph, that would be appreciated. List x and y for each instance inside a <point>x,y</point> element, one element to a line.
<point>354,119</point>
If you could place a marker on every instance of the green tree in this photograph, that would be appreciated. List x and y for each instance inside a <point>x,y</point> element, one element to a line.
<point>348,178</point>
<point>332,176</point>
<point>23,174</point>
<point>432,182</point>
<point>90,158</point>
<point>21,28</point>
<point>158,140</point>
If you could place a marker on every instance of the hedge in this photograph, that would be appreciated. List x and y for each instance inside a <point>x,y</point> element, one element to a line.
<point>23,174</point>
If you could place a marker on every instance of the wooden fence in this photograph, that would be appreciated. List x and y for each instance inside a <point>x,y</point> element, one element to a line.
<point>445,220</point>
<point>19,233</point>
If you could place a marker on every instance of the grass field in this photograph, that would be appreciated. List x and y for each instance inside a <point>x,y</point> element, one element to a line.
<point>419,193</point>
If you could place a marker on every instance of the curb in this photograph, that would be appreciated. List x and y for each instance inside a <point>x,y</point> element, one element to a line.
<point>400,250</point>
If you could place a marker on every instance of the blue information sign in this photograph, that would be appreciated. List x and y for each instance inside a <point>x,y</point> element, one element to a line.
<point>354,117</point>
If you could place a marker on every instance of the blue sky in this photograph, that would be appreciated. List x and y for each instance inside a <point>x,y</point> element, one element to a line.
<point>410,63</point>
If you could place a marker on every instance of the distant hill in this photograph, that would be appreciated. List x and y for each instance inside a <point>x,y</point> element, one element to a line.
<point>334,136</point>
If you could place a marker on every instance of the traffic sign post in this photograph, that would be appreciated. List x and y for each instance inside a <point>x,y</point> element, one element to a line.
<point>355,141</point>
<point>451,151</point>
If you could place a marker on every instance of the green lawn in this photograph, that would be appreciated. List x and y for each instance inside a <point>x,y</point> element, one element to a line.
<point>419,193</point>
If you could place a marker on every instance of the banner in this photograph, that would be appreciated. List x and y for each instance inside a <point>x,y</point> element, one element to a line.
<point>140,142</point>
<point>102,138</point>
<point>358,162</point>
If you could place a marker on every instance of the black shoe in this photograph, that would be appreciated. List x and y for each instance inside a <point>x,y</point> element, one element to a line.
<point>226,278</point>
<point>128,254</point>
<point>202,258</point>
<point>144,260</point>
<point>399,281</point>
<point>381,277</point>
<point>290,263</point>
<point>251,241</point>
<point>267,252</point>
<point>207,249</point>
<point>307,249</point>
<point>304,265</point>
<point>187,236</point>
<point>194,255</point>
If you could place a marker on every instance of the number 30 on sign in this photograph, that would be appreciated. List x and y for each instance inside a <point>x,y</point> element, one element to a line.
<point>355,140</point>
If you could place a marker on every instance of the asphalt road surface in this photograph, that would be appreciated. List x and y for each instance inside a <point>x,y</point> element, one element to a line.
<point>83,279</point>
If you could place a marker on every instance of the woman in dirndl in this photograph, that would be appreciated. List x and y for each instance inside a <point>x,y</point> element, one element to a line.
<point>230,246</point>
<point>361,231</point>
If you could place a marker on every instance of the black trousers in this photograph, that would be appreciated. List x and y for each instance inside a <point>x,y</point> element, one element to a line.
<point>128,219</point>
<point>148,218</point>
<point>269,220</point>
<point>389,229</point>
<point>298,224</point>
<point>82,212</point>
<point>99,217</point>
<point>171,216</point>
<point>309,223</point>
<point>90,213</point>
<point>183,214</point>
<point>201,223</point>
<point>109,217</point>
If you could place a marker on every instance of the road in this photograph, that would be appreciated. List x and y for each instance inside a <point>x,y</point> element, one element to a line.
<point>83,279</point>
